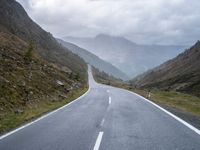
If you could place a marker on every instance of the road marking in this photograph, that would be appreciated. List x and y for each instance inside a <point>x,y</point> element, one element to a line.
<point>102,122</point>
<point>98,141</point>
<point>169,113</point>
<point>109,100</point>
<point>42,117</point>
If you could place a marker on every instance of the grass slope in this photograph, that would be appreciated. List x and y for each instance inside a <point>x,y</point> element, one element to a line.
<point>29,85</point>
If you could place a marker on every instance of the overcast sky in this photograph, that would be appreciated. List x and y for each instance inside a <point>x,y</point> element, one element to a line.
<point>142,21</point>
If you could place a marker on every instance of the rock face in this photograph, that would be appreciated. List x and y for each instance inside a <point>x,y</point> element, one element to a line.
<point>181,73</point>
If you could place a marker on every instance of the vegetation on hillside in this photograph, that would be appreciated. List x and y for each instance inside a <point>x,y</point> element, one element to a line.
<point>37,74</point>
<point>104,78</point>
<point>29,85</point>
<point>14,20</point>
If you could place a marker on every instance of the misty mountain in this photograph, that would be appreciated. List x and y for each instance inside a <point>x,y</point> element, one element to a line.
<point>181,73</point>
<point>94,60</point>
<point>126,55</point>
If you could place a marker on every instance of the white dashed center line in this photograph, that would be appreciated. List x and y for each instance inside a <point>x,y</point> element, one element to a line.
<point>98,141</point>
<point>109,100</point>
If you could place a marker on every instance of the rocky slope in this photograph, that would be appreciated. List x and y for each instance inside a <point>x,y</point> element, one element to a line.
<point>181,73</point>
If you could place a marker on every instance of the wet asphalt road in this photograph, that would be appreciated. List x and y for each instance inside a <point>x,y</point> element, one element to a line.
<point>105,118</point>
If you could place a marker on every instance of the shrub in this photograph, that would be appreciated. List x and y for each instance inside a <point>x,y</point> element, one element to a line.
<point>29,53</point>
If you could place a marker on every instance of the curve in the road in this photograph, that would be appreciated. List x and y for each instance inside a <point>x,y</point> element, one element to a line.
<point>105,118</point>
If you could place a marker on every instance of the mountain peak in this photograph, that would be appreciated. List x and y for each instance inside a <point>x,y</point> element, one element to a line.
<point>102,36</point>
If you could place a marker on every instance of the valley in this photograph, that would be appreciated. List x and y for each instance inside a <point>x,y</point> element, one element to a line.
<point>73,77</point>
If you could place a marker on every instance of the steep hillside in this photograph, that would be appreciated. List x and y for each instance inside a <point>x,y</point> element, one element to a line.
<point>129,57</point>
<point>14,20</point>
<point>181,73</point>
<point>37,74</point>
<point>94,60</point>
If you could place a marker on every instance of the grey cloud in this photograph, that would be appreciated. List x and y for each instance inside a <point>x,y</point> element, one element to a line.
<point>142,21</point>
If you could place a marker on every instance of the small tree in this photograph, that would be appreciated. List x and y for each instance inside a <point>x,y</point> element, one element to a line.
<point>29,53</point>
<point>71,75</point>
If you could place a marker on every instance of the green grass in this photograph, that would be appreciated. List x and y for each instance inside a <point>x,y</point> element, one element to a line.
<point>181,101</point>
<point>12,120</point>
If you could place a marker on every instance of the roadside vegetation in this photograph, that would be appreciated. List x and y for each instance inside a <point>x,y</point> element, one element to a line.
<point>178,100</point>
<point>104,78</point>
<point>31,86</point>
<point>12,119</point>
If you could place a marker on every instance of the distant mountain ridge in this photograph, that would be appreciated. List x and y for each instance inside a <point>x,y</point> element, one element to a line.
<point>95,60</point>
<point>131,58</point>
<point>181,73</point>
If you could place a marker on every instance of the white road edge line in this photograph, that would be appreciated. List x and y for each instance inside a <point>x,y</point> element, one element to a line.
<point>169,113</point>
<point>109,100</point>
<point>42,117</point>
<point>98,141</point>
